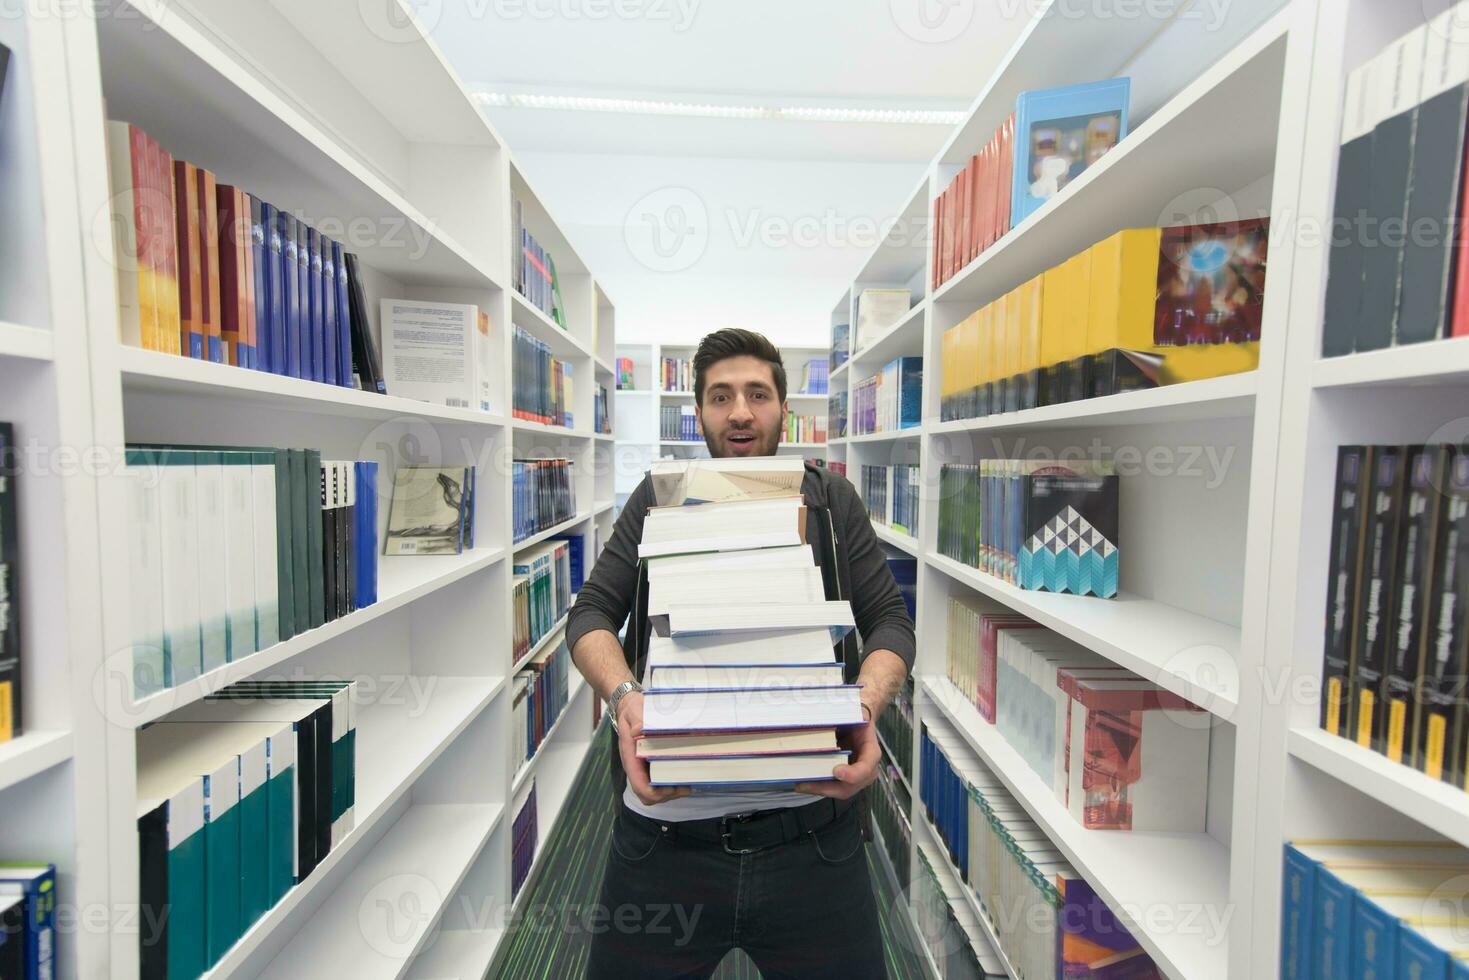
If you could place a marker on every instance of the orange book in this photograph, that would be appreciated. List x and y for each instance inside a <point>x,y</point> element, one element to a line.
<point>1006,178</point>
<point>234,285</point>
<point>984,207</point>
<point>966,223</point>
<point>948,246</point>
<point>210,301</point>
<point>170,322</point>
<point>134,206</point>
<point>190,258</point>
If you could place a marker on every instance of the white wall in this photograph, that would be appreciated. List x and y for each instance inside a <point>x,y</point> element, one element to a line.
<point>690,244</point>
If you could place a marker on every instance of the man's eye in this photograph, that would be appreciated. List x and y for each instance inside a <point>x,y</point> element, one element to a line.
<point>719,398</point>
<point>759,396</point>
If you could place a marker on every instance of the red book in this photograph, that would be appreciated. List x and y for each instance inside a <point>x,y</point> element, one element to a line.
<point>235,283</point>
<point>163,252</point>
<point>976,180</point>
<point>210,301</point>
<point>190,259</point>
<point>961,237</point>
<point>936,233</point>
<point>1006,178</point>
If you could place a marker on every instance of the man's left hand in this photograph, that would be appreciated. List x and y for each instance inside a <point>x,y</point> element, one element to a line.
<point>859,771</point>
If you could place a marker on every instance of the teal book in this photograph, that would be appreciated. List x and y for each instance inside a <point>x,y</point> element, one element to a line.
<point>221,858</point>
<point>254,835</point>
<point>281,837</point>
<point>145,575</point>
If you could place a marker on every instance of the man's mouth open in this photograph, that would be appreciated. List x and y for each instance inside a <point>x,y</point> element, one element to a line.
<point>740,440</point>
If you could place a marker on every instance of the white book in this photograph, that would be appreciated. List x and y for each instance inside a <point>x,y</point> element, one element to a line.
<point>879,309</point>
<point>735,526</point>
<point>427,351</point>
<point>743,675</point>
<point>798,646</point>
<point>266,571</point>
<point>213,561</point>
<point>757,562</point>
<point>738,743</point>
<point>239,533</point>
<point>684,710</point>
<point>680,481</point>
<point>781,585</point>
<point>836,616</point>
<point>145,573</point>
<point>727,770</point>
<point>180,538</point>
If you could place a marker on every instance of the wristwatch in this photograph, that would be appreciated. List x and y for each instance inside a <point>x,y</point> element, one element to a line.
<point>618,693</point>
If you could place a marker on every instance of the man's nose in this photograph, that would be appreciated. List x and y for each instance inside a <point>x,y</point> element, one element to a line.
<point>741,411</point>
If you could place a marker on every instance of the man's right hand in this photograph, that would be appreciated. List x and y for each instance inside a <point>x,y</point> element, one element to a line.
<point>629,728</point>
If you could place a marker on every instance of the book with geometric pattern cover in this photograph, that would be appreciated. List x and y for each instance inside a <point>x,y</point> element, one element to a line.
<point>1069,524</point>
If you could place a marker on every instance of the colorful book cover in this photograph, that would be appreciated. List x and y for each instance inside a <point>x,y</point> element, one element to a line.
<point>1211,283</point>
<point>1061,132</point>
<point>1069,529</point>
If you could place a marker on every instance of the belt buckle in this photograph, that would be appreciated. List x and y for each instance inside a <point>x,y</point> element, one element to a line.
<point>724,833</point>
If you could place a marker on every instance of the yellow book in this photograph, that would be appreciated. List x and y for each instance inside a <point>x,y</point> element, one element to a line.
<point>1002,339</point>
<point>986,366</point>
<point>1012,333</point>
<point>969,357</point>
<point>1053,316</point>
<point>1078,302</point>
<point>1199,361</point>
<point>948,371</point>
<point>1030,313</point>
<point>1124,287</point>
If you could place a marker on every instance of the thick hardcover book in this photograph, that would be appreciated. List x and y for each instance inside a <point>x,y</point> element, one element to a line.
<point>315,272</point>
<point>10,652</point>
<point>342,308</point>
<point>1067,524</point>
<point>303,493</point>
<point>1408,617</point>
<point>235,286</point>
<point>261,320</point>
<point>1441,730</point>
<point>135,220</point>
<point>1426,298</point>
<point>1379,579</point>
<point>1344,282</point>
<point>1392,167</point>
<point>1059,133</point>
<point>1344,585</point>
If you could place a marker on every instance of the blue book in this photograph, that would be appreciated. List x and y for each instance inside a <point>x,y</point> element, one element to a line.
<point>291,308</point>
<point>1423,951</point>
<point>274,314</point>
<point>1059,132</point>
<point>315,288</point>
<point>259,354</point>
<point>37,887</point>
<point>910,393</point>
<point>367,549</point>
<point>343,307</point>
<point>303,291</point>
<point>328,280</point>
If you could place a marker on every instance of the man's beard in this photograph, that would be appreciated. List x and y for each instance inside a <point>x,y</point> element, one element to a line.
<point>767,447</point>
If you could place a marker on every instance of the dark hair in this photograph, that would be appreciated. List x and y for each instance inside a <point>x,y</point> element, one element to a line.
<point>735,342</point>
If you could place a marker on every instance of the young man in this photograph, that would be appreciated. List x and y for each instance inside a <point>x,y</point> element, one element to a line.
<point>779,873</point>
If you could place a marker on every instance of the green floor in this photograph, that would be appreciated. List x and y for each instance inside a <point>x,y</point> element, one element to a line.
<point>538,943</point>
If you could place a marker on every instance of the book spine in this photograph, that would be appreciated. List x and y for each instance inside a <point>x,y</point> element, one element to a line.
<point>1380,577</point>
<point>11,709</point>
<point>342,308</point>
<point>1348,524</point>
<point>327,282</point>
<point>316,601</point>
<point>210,302</point>
<point>1441,738</point>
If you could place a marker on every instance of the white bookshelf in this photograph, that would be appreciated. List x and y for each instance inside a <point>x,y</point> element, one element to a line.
<point>1223,574</point>
<point>325,111</point>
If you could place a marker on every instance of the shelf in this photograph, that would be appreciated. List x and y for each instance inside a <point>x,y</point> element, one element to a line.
<point>1231,396</point>
<point>551,532</point>
<point>458,954</point>
<point>401,580</point>
<point>406,737</point>
<point>1440,362</point>
<point>526,425</point>
<point>1132,871</point>
<point>903,338</point>
<point>169,76</point>
<point>32,753</point>
<point>635,392</point>
<point>151,371</point>
<point>527,316</point>
<point>839,369</point>
<point>675,394</point>
<point>889,435</point>
<point>986,928</point>
<point>555,631</point>
<point>605,505</point>
<point>1219,132</point>
<point>1194,657</point>
<point>1441,807</point>
<point>26,342</point>
<point>806,396</point>
<point>904,542</point>
<point>371,926</point>
<point>603,367</point>
<point>604,437</point>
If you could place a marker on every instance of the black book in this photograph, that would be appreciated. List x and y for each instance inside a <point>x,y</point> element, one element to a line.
<point>349,525</point>
<point>316,574</point>
<point>1426,297</point>
<point>1343,586</point>
<point>1379,576</point>
<point>328,498</point>
<point>1408,620</point>
<point>1441,726</point>
<point>1115,371</point>
<point>303,492</point>
<point>152,898</point>
<point>1398,86</point>
<point>343,515</point>
<point>1344,283</point>
<point>366,358</point>
<point>11,721</point>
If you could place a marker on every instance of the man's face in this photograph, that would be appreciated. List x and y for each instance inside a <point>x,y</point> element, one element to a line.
<point>741,414</point>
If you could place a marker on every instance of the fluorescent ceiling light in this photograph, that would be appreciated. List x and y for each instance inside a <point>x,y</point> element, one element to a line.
<point>649,107</point>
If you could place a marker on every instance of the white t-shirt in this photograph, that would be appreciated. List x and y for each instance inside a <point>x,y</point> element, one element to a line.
<point>710,801</point>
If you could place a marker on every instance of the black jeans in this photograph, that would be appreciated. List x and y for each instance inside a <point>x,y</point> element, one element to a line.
<point>673,907</point>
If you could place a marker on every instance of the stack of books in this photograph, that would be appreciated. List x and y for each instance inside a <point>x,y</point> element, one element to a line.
<point>805,428</point>
<point>432,511</point>
<point>742,686</point>
<point>889,400</point>
<point>540,692</point>
<point>540,592</point>
<point>678,374</point>
<point>678,423</point>
<point>1374,908</point>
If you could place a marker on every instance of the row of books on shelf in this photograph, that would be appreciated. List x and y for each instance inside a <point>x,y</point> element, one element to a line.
<point>891,494</point>
<point>889,400</point>
<point>625,381</point>
<point>814,377</point>
<point>1047,919</point>
<point>543,494</point>
<point>1082,723</point>
<point>1396,647</point>
<point>733,697</point>
<point>878,309</point>
<point>1043,525</point>
<point>947,925</point>
<point>601,411</point>
<point>1396,274</point>
<point>1142,308</point>
<point>524,836</point>
<point>545,577</point>
<point>1050,141</point>
<point>538,696</point>
<point>535,271</point>
<point>543,383</point>
<point>836,414</point>
<point>12,710</point>
<point>1374,908</point>
<point>891,805</point>
<point>28,903</point>
<point>240,797</point>
<point>804,428</point>
<point>895,725</point>
<point>234,549</point>
<point>678,422</point>
<point>677,374</point>
<point>905,574</point>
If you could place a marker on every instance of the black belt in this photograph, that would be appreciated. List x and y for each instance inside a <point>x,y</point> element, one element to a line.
<point>745,833</point>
